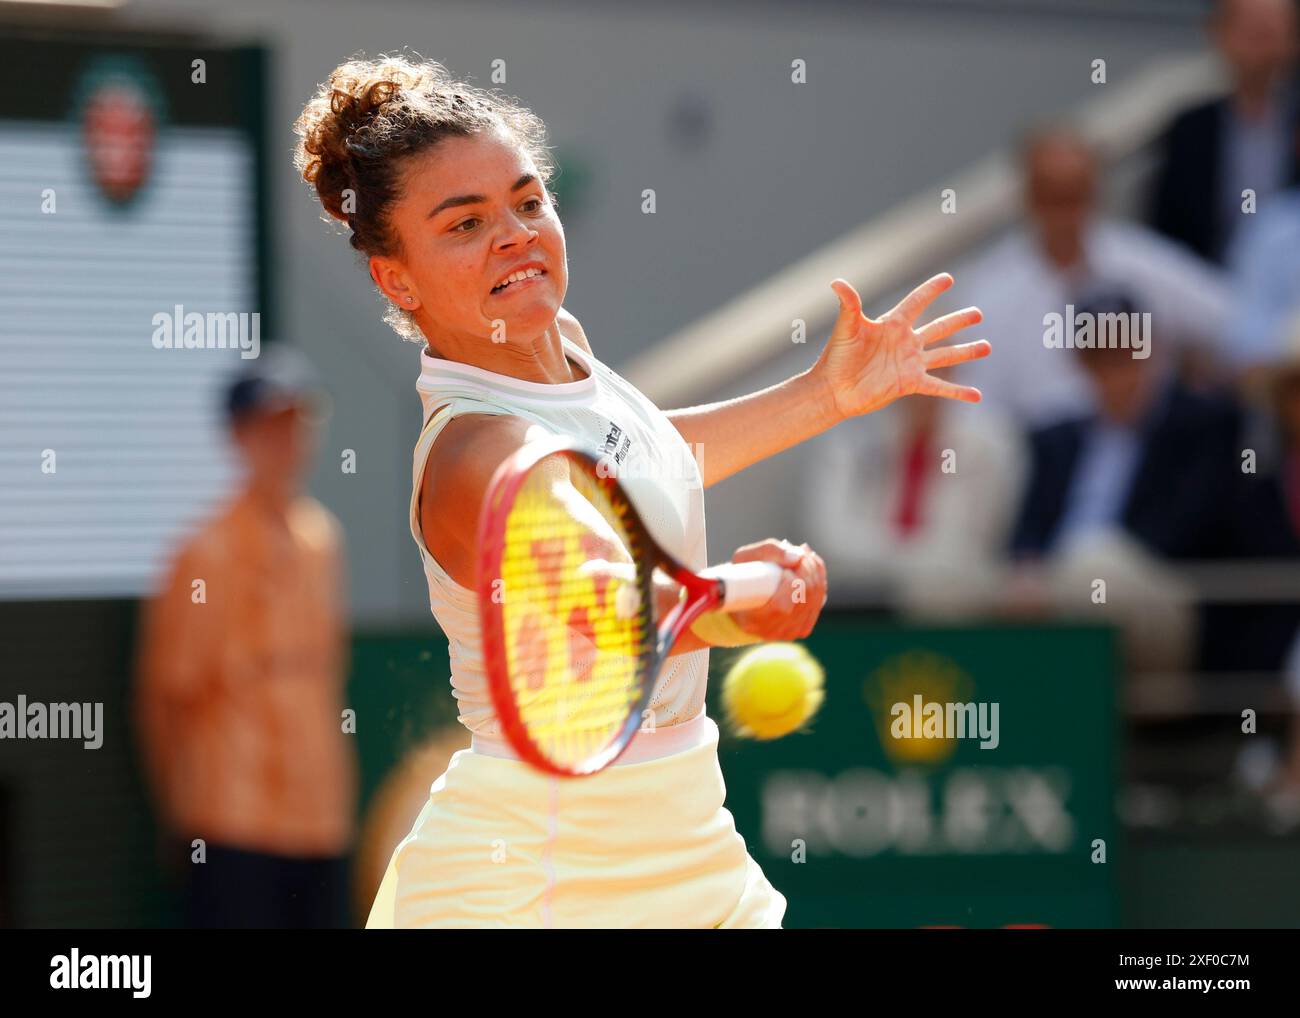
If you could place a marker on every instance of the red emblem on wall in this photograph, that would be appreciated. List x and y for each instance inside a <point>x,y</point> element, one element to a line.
<point>119,107</point>
<point>118,130</point>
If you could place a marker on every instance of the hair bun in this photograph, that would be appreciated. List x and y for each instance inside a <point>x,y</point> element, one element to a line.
<point>335,123</point>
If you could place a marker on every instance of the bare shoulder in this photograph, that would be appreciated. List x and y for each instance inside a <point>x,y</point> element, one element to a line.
<point>456,477</point>
<point>571,329</point>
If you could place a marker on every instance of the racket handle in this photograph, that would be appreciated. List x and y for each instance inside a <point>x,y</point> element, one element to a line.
<point>745,584</point>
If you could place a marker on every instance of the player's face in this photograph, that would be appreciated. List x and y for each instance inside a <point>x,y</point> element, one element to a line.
<point>453,255</point>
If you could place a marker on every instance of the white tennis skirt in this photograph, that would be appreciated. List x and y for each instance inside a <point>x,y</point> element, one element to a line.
<point>645,843</point>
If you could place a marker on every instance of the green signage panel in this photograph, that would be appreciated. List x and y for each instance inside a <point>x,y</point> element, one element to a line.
<point>953,777</point>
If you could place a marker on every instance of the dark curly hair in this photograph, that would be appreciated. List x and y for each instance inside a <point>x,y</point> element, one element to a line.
<point>369,116</point>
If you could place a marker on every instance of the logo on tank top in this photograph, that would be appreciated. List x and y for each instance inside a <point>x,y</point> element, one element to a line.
<point>614,447</point>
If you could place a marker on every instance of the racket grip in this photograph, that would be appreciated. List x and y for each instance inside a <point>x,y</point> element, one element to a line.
<point>745,584</point>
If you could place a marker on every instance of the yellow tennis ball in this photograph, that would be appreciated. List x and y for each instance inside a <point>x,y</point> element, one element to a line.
<point>771,690</point>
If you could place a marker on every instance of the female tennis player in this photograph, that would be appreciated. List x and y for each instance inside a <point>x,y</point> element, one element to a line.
<point>444,189</point>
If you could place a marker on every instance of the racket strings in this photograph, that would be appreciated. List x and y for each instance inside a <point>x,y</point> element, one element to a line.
<point>577,631</point>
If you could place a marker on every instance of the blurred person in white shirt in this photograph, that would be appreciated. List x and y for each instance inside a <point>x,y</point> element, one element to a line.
<point>1265,267</point>
<point>1064,251</point>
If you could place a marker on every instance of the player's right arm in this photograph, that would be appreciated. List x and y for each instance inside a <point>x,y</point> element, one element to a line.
<point>456,477</point>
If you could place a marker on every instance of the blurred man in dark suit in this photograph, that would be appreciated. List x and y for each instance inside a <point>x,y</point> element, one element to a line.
<point>1270,526</point>
<point>1155,459</point>
<point>1160,467</point>
<point>1241,141</point>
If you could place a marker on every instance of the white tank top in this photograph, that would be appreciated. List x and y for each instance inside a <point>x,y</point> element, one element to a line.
<point>657,469</point>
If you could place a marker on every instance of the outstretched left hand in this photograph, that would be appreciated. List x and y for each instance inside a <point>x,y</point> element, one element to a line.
<point>870,362</point>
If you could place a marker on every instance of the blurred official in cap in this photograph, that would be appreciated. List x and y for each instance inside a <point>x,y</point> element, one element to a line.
<point>240,691</point>
<point>273,408</point>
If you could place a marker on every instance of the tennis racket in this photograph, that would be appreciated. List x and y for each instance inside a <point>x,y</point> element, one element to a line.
<point>572,639</point>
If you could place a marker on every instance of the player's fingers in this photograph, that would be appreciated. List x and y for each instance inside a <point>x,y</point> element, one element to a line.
<point>820,603</point>
<point>850,301</point>
<point>816,577</point>
<point>791,593</point>
<point>947,325</point>
<point>823,581</point>
<point>947,356</point>
<point>768,550</point>
<point>931,386</point>
<point>809,570</point>
<point>814,558</point>
<point>813,575</point>
<point>911,306</point>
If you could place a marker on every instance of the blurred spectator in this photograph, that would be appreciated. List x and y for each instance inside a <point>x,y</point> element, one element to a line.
<point>1256,637</point>
<point>1277,494</point>
<point>1284,797</point>
<point>1063,254</point>
<point>1151,458</point>
<point>1245,140</point>
<point>242,663</point>
<point>1147,476</point>
<point>1283,395</point>
<point>918,499</point>
<point>1265,264</point>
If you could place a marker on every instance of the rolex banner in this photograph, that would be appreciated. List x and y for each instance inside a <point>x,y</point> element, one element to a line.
<point>953,777</point>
